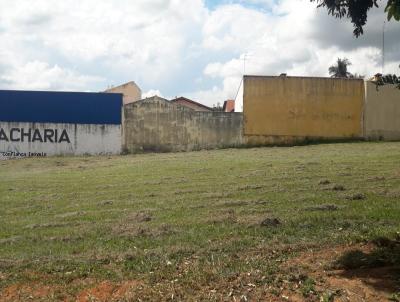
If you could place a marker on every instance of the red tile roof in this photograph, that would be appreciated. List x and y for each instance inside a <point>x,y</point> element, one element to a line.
<point>191,104</point>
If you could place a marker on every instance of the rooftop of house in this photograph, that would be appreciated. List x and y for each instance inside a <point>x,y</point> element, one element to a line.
<point>130,83</point>
<point>183,99</point>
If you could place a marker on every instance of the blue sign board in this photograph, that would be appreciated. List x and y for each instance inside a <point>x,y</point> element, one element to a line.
<point>60,107</point>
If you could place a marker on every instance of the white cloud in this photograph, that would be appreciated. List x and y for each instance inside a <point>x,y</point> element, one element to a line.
<point>38,75</point>
<point>152,92</point>
<point>228,28</point>
<point>140,40</point>
<point>296,39</point>
<point>179,47</point>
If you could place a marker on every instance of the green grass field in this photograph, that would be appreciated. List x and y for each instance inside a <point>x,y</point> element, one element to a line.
<point>201,225</point>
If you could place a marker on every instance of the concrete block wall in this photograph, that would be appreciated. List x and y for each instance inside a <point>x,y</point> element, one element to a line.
<point>157,125</point>
<point>18,140</point>
<point>45,123</point>
<point>290,110</point>
<point>382,112</point>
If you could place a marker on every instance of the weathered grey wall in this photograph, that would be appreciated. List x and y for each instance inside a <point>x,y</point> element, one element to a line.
<point>155,124</point>
<point>382,112</point>
<point>30,139</point>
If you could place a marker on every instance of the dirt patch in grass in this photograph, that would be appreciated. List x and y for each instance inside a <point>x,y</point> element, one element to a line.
<point>10,239</point>
<point>102,292</point>
<point>241,203</point>
<point>31,292</point>
<point>324,182</point>
<point>141,217</point>
<point>338,188</point>
<point>314,274</point>
<point>250,187</point>
<point>71,214</point>
<point>233,203</point>
<point>271,222</point>
<point>356,196</point>
<point>226,217</point>
<point>323,207</point>
<point>64,239</point>
<point>377,178</point>
<point>108,291</point>
<point>217,195</point>
<point>134,230</point>
<point>134,224</point>
<point>393,193</point>
<point>346,273</point>
<point>106,203</point>
<point>50,225</point>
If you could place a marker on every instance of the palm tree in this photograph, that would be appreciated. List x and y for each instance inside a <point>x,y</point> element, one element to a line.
<point>340,69</point>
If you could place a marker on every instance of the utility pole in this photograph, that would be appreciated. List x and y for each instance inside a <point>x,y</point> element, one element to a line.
<point>246,56</point>
<point>383,47</point>
<point>244,63</point>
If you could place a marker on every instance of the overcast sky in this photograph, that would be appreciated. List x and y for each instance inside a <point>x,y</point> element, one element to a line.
<point>193,48</point>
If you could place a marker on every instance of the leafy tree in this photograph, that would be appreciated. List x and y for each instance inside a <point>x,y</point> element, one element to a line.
<point>217,107</point>
<point>357,10</point>
<point>381,80</point>
<point>340,69</point>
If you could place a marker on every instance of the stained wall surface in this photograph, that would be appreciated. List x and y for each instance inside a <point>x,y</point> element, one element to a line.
<point>382,112</point>
<point>48,139</point>
<point>38,124</point>
<point>155,124</point>
<point>299,107</point>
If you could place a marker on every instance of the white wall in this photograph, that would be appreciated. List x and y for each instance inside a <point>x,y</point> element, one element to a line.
<point>239,99</point>
<point>41,139</point>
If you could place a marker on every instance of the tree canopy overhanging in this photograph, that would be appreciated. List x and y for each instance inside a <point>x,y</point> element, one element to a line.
<point>357,10</point>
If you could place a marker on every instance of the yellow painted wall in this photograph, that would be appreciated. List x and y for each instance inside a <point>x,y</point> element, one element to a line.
<point>303,107</point>
<point>382,112</point>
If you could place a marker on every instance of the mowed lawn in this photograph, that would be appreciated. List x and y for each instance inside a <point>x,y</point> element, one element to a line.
<point>210,225</point>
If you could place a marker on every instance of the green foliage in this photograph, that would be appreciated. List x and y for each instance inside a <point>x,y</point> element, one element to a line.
<point>308,287</point>
<point>357,11</point>
<point>389,79</point>
<point>393,9</point>
<point>395,297</point>
<point>328,297</point>
<point>340,69</point>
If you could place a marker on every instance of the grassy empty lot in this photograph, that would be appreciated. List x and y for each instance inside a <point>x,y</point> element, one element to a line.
<point>272,224</point>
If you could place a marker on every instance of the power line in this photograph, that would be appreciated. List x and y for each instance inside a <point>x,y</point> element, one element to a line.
<point>240,86</point>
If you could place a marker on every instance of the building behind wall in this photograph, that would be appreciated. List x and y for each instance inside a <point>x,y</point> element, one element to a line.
<point>130,91</point>
<point>229,106</point>
<point>196,106</point>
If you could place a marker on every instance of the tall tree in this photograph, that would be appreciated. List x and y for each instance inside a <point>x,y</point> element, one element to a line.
<point>357,10</point>
<point>340,69</point>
